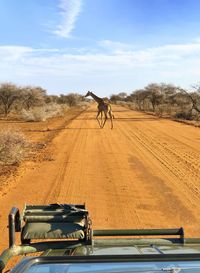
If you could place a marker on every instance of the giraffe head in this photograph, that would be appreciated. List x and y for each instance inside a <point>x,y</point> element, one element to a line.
<point>88,94</point>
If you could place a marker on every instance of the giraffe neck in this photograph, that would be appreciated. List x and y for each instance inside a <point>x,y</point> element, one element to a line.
<point>97,99</point>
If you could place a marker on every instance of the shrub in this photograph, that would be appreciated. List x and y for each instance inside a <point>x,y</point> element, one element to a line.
<point>42,113</point>
<point>13,145</point>
<point>83,104</point>
<point>34,114</point>
<point>184,115</point>
<point>54,109</point>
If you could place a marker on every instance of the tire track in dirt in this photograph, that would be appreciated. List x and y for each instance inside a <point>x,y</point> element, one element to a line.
<point>77,186</point>
<point>174,158</point>
<point>162,192</point>
<point>186,157</point>
<point>54,192</point>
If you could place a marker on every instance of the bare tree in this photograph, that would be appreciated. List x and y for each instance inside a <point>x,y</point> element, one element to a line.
<point>33,96</point>
<point>194,97</point>
<point>114,98</point>
<point>166,99</point>
<point>118,97</point>
<point>139,97</point>
<point>9,93</point>
<point>71,99</point>
<point>154,94</point>
<point>51,99</point>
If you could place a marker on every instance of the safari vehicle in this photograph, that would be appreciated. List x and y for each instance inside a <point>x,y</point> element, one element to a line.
<point>59,238</point>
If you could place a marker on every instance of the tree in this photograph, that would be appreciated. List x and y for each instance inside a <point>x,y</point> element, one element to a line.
<point>51,99</point>
<point>154,94</point>
<point>194,98</point>
<point>118,97</point>
<point>139,96</point>
<point>9,93</point>
<point>33,96</point>
<point>71,99</point>
<point>122,95</point>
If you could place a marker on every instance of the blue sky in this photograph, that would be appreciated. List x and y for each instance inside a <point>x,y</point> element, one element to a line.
<point>107,46</point>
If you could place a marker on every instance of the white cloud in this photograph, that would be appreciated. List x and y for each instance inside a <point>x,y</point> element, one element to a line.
<point>119,69</point>
<point>14,52</point>
<point>115,46</point>
<point>166,53</point>
<point>69,12</point>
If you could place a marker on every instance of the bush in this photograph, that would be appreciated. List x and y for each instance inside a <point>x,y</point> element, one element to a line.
<point>83,104</point>
<point>54,110</point>
<point>35,114</point>
<point>184,115</point>
<point>42,113</point>
<point>13,145</point>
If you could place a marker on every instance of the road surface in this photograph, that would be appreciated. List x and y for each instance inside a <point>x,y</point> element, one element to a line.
<point>145,173</point>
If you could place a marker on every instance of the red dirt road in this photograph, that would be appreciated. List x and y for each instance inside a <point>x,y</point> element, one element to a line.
<point>145,173</point>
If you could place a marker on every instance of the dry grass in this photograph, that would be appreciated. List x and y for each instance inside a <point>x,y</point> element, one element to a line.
<point>42,113</point>
<point>13,146</point>
<point>35,114</point>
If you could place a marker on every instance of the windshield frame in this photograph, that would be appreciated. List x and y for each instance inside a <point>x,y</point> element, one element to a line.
<point>26,263</point>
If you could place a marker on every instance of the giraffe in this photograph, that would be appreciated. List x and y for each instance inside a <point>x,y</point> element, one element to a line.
<point>103,107</point>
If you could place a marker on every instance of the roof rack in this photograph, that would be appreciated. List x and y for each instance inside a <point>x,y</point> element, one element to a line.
<point>54,221</point>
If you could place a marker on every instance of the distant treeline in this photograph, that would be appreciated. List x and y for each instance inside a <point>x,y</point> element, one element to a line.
<point>160,99</point>
<point>163,100</point>
<point>21,99</point>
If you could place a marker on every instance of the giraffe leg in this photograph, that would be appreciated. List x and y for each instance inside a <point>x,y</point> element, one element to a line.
<point>104,119</point>
<point>101,119</point>
<point>111,119</point>
<point>111,114</point>
<point>97,118</point>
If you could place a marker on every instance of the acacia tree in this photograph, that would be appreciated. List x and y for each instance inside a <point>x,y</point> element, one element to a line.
<point>71,99</point>
<point>51,99</point>
<point>118,97</point>
<point>33,96</point>
<point>195,97</point>
<point>190,103</point>
<point>154,94</point>
<point>114,98</point>
<point>139,97</point>
<point>9,93</point>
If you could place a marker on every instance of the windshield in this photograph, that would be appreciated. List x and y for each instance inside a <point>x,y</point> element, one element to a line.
<point>173,267</point>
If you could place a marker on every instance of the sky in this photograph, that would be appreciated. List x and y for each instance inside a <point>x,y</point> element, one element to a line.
<point>105,46</point>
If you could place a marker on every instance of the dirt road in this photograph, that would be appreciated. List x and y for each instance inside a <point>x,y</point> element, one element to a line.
<point>145,173</point>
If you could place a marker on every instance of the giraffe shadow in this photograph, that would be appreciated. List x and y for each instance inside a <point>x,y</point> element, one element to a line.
<point>61,129</point>
<point>124,119</point>
<point>83,128</point>
<point>137,119</point>
<point>91,111</point>
<point>85,119</point>
<point>121,111</point>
